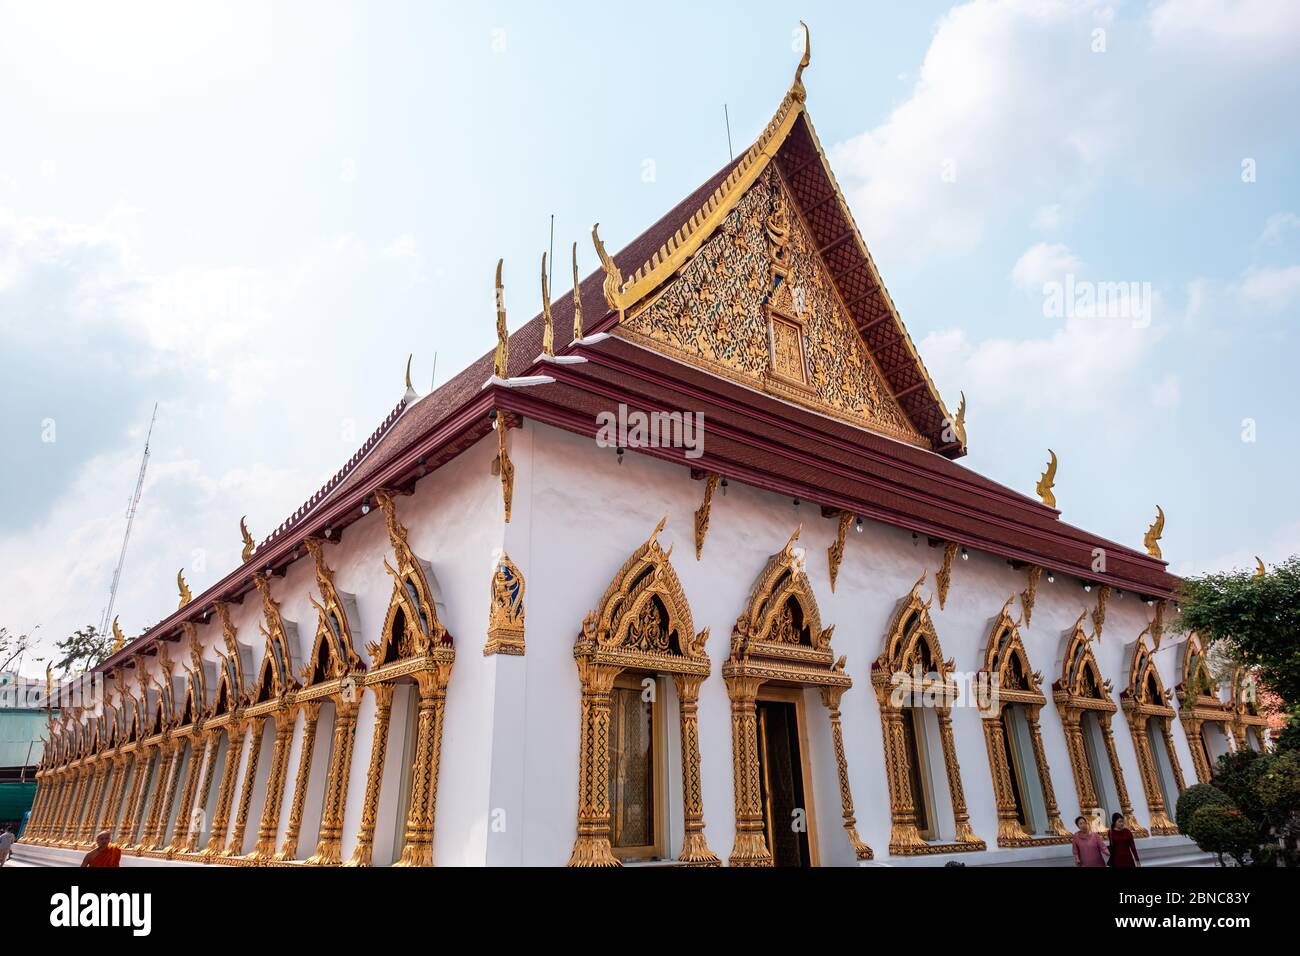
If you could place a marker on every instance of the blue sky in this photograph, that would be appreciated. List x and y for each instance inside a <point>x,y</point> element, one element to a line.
<point>251,214</point>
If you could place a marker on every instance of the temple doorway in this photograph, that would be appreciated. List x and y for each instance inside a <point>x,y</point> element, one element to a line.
<point>786,819</point>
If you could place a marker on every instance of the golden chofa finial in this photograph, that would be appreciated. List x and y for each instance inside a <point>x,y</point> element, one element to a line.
<point>796,88</point>
<point>613,277</point>
<point>186,596</point>
<point>246,553</point>
<point>1260,570</point>
<point>1047,481</point>
<point>119,639</point>
<point>577,298</point>
<point>1152,538</point>
<point>959,422</point>
<point>503,336</point>
<point>548,323</point>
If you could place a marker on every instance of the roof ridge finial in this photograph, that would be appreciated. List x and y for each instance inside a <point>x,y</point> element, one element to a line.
<point>613,277</point>
<point>411,394</point>
<point>548,323</point>
<point>577,298</point>
<point>502,359</point>
<point>796,88</point>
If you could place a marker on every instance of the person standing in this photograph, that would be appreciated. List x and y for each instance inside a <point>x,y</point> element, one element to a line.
<point>104,854</point>
<point>1123,851</point>
<point>6,844</point>
<point>1089,850</point>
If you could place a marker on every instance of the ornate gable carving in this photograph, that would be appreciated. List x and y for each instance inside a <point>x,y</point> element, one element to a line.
<point>411,627</point>
<point>756,304</point>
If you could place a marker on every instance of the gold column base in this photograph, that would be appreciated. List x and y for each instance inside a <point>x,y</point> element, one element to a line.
<point>696,852</point>
<point>1009,829</point>
<point>325,856</point>
<point>416,854</point>
<point>1161,825</point>
<point>593,851</point>
<point>750,849</point>
<point>904,838</point>
<point>860,849</point>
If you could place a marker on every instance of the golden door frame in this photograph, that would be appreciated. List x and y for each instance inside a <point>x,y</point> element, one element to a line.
<point>643,623</point>
<point>1007,671</point>
<point>1081,689</point>
<point>1144,698</point>
<point>1245,710</point>
<point>911,635</point>
<point>1199,704</point>
<point>779,641</point>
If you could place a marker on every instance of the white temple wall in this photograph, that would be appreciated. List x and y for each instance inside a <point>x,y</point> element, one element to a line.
<point>569,489</point>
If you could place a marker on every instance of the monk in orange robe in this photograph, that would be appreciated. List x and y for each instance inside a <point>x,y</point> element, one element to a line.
<point>104,854</point>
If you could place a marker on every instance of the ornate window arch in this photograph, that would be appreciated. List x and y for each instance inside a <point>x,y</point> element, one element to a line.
<point>1147,707</point>
<point>643,623</point>
<point>779,640</point>
<point>1014,684</point>
<point>1083,695</point>
<point>1245,706</point>
<point>413,645</point>
<point>912,667</point>
<point>1200,708</point>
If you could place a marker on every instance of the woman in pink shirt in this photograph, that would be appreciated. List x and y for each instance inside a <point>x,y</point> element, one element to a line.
<point>1089,849</point>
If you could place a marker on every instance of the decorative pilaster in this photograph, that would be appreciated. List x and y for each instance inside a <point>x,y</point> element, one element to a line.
<point>1161,825</point>
<point>122,764</point>
<point>750,848</point>
<point>831,697</point>
<point>236,845</point>
<point>90,814</point>
<point>311,715</point>
<point>66,832</point>
<point>904,836</point>
<point>1010,830</point>
<point>361,856</point>
<point>695,849</point>
<point>180,832</point>
<point>328,848</point>
<point>269,826</point>
<point>193,832</point>
<point>1125,806</point>
<point>418,846</point>
<point>1088,805</point>
<point>1044,774</point>
<point>592,846</point>
<point>151,838</point>
<point>959,813</point>
<point>139,792</point>
<point>1173,755</point>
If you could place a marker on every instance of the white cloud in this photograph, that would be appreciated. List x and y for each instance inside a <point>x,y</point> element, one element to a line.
<point>1271,289</point>
<point>1276,228</point>
<point>1012,96</point>
<point>1044,262</point>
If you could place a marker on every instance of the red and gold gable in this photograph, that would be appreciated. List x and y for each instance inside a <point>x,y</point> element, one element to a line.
<point>756,304</point>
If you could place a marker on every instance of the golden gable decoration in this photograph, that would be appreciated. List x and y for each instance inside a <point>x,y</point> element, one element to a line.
<point>756,305</point>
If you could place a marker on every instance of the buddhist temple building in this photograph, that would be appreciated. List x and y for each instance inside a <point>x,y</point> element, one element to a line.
<point>687,569</point>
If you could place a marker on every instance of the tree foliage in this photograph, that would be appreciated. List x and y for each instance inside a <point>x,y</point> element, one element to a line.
<point>1257,616</point>
<point>1192,799</point>
<point>81,650</point>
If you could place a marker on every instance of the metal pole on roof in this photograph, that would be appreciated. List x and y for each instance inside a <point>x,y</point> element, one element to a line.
<point>550,279</point>
<point>731,155</point>
<point>130,520</point>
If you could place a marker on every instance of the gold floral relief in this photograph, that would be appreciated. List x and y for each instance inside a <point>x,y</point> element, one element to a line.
<point>756,303</point>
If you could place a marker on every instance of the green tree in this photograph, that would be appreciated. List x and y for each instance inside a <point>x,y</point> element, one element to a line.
<point>1192,799</point>
<point>81,650</point>
<point>1221,828</point>
<point>1257,616</point>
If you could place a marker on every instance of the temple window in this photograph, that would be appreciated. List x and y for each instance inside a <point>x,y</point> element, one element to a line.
<point>635,769</point>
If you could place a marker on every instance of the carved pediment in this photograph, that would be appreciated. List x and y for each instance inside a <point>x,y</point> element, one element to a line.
<point>756,304</point>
